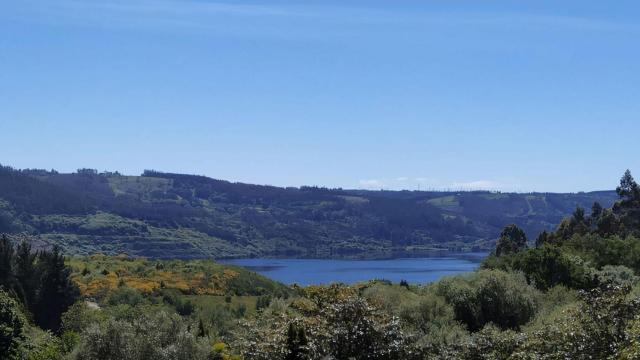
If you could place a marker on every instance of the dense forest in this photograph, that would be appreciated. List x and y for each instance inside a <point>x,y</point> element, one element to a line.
<point>572,293</point>
<point>185,216</point>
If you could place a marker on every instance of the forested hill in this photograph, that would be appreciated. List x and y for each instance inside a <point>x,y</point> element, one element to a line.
<point>186,216</point>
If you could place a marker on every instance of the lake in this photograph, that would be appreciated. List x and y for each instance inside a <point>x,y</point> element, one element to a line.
<point>324,271</point>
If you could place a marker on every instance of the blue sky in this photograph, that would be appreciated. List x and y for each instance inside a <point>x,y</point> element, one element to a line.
<point>503,95</point>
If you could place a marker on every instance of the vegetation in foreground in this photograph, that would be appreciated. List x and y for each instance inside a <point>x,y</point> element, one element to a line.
<point>572,295</point>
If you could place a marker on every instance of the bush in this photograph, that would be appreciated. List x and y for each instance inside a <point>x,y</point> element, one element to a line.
<point>490,296</point>
<point>184,307</point>
<point>148,337</point>
<point>612,250</point>
<point>601,326</point>
<point>79,317</point>
<point>125,296</point>
<point>617,275</point>
<point>427,312</point>
<point>548,266</point>
<point>337,325</point>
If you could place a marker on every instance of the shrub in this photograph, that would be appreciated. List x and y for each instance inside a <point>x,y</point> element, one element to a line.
<point>184,307</point>
<point>548,266</point>
<point>617,275</point>
<point>601,326</point>
<point>427,312</point>
<point>336,325</point>
<point>490,296</point>
<point>79,317</point>
<point>148,337</point>
<point>125,296</point>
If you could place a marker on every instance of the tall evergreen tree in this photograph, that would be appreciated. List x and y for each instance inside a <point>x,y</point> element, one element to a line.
<point>512,239</point>
<point>542,239</point>
<point>628,189</point>
<point>6,263</point>
<point>578,215</point>
<point>596,210</point>
<point>26,273</point>
<point>57,290</point>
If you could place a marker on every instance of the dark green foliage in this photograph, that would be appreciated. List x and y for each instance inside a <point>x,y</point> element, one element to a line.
<point>596,210</point>
<point>542,239</point>
<point>202,330</point>
<point>511,240</point>
<point>6,263</point>
<point>296,343</point>
<point>161,215</point>
<point>41,279</point>
<point>578,215</point>
<point>607,224</point>
<point>548,266</point>
<point>30,195</point>
<point>57,292</point>
<point>263,302</point>
<point>26,274</point>
<point>497,297</point>
<point>12,326</point>
<point>612,250</point>
<point>628,188</point>
<point>124,295</point>
<point>622,219</point>
<point>428,313</point>
<point>184,307</point>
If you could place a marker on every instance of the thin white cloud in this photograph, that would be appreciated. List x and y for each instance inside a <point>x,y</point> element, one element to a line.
<point>214,15</point>
<point>402,179</point>
<point>372,183</point>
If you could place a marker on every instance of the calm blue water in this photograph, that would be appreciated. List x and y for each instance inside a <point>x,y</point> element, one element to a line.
<point>315,271</point>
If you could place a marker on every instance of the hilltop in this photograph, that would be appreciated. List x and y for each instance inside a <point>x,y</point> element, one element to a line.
<point>165,215</point>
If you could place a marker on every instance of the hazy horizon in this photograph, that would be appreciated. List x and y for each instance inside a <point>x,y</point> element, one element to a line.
<point>425,189</point>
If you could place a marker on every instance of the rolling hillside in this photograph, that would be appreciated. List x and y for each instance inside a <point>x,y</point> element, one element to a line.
<point>165,215</point>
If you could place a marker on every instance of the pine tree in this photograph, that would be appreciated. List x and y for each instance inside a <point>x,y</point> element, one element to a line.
<point>6,263</point>
<point>578,215</point>
<point>542,239</point>
<point>26,274</point>
<point>596,210</point>
<point>57,291</point>
<point>512,239</point>
<point>628,189</point>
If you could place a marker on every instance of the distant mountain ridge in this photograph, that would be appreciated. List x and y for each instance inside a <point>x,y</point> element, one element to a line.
<point>168,215</point>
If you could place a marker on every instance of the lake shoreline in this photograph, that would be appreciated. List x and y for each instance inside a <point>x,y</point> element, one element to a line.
<point>419,270</point>
<point>376,256</point>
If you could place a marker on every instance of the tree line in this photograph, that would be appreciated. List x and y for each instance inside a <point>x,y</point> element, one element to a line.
<point>39,279</point>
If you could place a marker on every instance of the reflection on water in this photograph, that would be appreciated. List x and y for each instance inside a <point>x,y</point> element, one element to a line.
<point>324,271</point>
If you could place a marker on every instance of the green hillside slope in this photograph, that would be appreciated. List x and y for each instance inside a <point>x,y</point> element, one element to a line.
<point>166,215</point>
